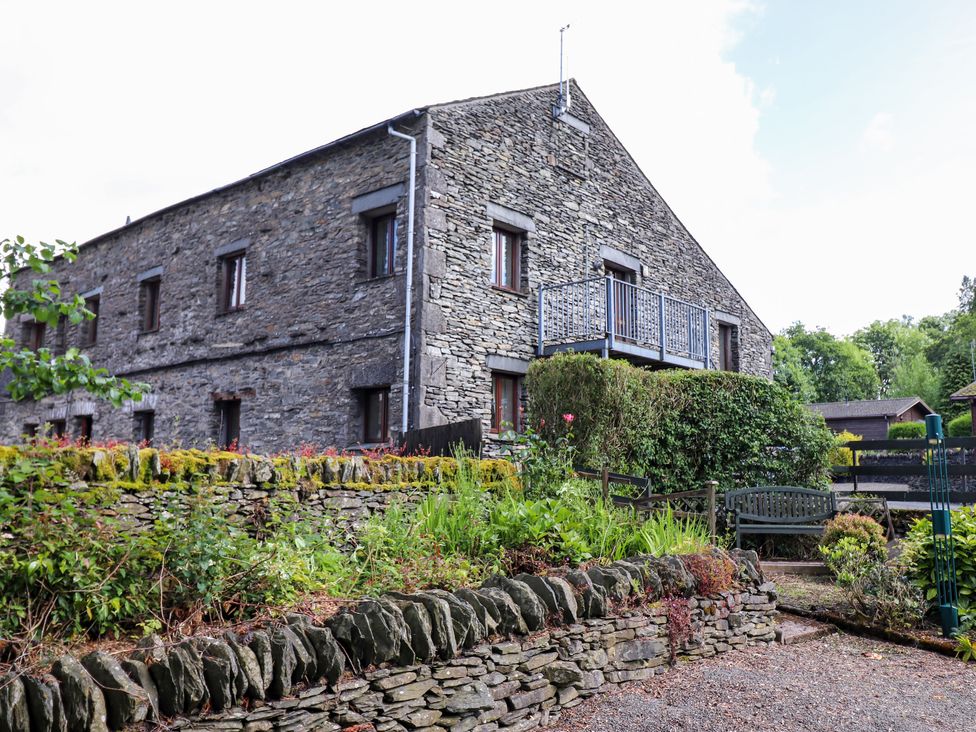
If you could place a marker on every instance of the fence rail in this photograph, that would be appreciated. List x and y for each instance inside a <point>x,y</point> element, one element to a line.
<point>617,312</point>
<point>918,469</point>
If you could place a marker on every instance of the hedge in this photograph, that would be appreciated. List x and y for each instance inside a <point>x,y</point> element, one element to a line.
<point>906,431</point>
<point>961,426</point>
<point>679,428</point>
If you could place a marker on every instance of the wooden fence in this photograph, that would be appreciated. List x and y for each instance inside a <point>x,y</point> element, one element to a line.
<point>684,504</point>
<point>908,470</point>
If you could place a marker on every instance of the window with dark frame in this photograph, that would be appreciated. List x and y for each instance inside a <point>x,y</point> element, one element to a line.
<point>506,413</point>
<point>382,244</point>
<point>233,282</point>
<point>145,426</point>
<point>58,428</point>
<point>30,430</point>
<point>508,259</point>
<point>229,422</point>
<point>83,427</point>
<point>34,335</point>
<point>149,300</point>
<point>92,304</point>
<point>376,415</point>
<point>61,336</point>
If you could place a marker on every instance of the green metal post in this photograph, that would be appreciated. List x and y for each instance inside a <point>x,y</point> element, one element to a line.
<point>942,542</point>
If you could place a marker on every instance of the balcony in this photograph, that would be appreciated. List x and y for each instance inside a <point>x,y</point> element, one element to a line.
<point>620,319</point>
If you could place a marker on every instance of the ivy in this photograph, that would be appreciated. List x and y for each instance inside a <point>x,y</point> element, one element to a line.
<point>679,428</point>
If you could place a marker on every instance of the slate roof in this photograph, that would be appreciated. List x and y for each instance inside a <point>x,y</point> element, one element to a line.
<point>868,408</point>
<point>965,394</point>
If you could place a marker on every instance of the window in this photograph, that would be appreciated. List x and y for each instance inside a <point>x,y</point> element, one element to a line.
<point>376,415</point>
<point>61,336</point>
<point>382,244</point>
<point>58,428</point>
<point>149,304</point>
<point>93,304</point>
<point>728,357</point>
<point>34,335</point>
<point>30,431</point>
<point>233,293</point>
<point>506,413</point>
<point>507,256</point>
<point>228,422</point>
<point>145,427</point>
<point>83,427</point>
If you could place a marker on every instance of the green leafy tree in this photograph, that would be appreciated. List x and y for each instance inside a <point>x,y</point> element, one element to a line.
<point>916,376</point>
<point>951,351</point>
<point>788,370</point>
<point>838,369</point>
<point>25,267</point>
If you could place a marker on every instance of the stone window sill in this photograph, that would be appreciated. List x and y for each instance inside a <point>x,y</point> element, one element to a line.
<point>509,291</point>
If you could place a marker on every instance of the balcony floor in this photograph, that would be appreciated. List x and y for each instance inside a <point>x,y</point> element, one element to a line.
<point>640,355</point>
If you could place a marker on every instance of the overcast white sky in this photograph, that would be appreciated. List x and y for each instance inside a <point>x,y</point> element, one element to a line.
<point>822,153</point>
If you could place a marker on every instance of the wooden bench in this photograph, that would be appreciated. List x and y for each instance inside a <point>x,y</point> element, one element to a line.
<point>779,510</point>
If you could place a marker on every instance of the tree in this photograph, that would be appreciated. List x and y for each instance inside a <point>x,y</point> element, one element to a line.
<point>839,370</point>
<point>788,370</point>
<point>36,374</point>
<point>967,295</point>
<point>951,351</point>
<point>892,344</point>
<point>915,376</point>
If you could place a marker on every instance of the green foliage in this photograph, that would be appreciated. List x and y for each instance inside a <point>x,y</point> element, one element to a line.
<point>919,552</point>
<point>41,373</point>
<point>951,351</point>
<point>917,376</point>
<point>790,372</point>
<point>906,431</point>
<point>679,428</point>
<point>839,370</point>
<point>544,465</point>
<point>893,345</point>
<point>961,426</point>
<point>863,530</point>
<point>840,455</point>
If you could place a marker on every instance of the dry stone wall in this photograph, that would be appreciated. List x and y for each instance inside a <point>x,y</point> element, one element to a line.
<point>507,656</point>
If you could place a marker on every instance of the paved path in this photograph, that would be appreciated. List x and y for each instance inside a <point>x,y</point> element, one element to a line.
<point>834,683</point>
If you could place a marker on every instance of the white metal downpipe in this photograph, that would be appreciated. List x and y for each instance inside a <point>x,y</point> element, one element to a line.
<point>409,287</point>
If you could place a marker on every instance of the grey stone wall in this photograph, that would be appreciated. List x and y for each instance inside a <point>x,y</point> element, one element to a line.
<point>314,327</point>
<point>581,192</point>
<point>510,655</point>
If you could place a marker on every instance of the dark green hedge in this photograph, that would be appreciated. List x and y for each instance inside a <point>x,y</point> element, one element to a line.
<point>906,431</point>
<point>961,426</point>
<point>678,427</point>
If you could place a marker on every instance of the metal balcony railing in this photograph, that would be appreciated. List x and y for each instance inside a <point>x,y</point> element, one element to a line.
<point>612,315</point>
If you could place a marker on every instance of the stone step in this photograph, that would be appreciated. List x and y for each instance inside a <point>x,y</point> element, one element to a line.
<point>804,568</point>
<point>791,629</point>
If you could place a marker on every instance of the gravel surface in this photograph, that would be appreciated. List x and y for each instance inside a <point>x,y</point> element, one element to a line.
<point>836,683</point>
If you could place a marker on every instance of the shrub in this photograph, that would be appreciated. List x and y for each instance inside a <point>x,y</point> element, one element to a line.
<point>679,428</point>
<point>961,426</point>
<point>713,573</point>
<point>906,431</point>
<point>863,530</point>
<point>840,455</point>
<point>919,551</point>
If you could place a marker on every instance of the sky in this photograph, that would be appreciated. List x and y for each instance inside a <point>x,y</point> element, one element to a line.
<point>822,153</point>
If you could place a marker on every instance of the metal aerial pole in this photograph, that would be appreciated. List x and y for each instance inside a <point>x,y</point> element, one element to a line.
<point>942,542</point>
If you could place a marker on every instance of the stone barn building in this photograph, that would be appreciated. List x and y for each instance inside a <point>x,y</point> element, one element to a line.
<point>272,310</point>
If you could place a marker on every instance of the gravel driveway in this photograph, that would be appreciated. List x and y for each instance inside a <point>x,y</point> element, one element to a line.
<point>835,683</point>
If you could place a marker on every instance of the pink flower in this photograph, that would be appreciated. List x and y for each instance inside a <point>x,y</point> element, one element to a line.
<point>542,423</point>
<point>568,418</point>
